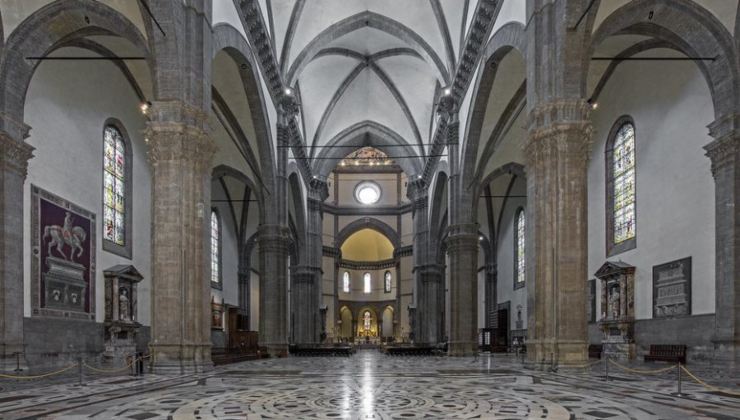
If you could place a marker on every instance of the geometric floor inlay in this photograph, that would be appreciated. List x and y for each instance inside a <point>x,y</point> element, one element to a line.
<point>370,385</point>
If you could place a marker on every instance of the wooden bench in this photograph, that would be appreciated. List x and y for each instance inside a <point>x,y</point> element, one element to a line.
<point>409,351</point>
<point>667,353</point>
<point>330,351</point>
<point>595,350</point>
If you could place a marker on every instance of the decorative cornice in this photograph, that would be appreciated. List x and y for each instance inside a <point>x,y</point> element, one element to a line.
<point>15,155</point>
<point>367,265</point>
<point>12,126</point>
<point>404,251</point>
<point>480,30</point>
<point>367,210</point>
<point>330,251</point>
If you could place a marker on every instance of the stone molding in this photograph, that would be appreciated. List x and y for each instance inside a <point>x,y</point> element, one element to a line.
<point>723,151</point>
<point>15,155</point>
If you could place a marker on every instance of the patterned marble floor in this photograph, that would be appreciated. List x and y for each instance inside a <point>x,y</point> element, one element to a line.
<point>370,385</point>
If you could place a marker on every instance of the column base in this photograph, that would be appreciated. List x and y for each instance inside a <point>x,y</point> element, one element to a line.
<point>462,349</point>
<point>548,354</point>
<point>727,352</point>
<point>181,360</point>
<point>277,350</point>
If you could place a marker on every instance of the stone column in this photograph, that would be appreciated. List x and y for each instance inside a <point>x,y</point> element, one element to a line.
<point>431,306</point>
<point>417,192</point>
<point>180,153</point>
<point>462,248</point>
<point>724,152</point>
<point>557,154</point>
<point>491,273</point>
<point>274,241</point>
<point>307,281</point>
<point>14,157</point>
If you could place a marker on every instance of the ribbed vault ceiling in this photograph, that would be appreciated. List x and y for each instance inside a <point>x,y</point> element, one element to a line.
<point>377,61</point>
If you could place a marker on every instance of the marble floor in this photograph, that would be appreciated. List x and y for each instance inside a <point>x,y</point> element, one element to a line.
<point>370,385</point>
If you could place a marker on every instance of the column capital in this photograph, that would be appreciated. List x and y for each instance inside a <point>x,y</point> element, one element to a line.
<point>318,189</point>
<point>723,152</point>
<point>274,236</point>
<point>287,107</point>
<point>462,237</point>
<point>559,127</point>
<point>448,108</point>
<point>177,131</point>
<point>13,128</point>
<point>14,154</point>
<point>417,191</point>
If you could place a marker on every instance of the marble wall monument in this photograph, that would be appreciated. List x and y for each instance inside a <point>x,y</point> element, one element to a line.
<point>63,257</point>
<point>672,289</point>
<point>617,309</point>
<point>121,282</point>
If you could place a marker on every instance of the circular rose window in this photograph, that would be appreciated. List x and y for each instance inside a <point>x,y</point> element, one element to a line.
<point>367,192</point>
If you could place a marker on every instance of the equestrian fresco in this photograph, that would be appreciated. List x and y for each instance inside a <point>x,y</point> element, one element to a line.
<point>63,242</point>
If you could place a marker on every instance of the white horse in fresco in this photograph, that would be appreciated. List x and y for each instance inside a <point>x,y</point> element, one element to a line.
<point>70,235</point>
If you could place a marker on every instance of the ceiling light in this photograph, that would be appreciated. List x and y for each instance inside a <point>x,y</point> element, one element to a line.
<point>288,91</point>
<point>448,91</point>
<point>144,107</point>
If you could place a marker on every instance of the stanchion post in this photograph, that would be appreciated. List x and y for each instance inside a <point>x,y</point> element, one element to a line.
<point>679,394</point>
<point>606,367</point>
<point>79,369</point>
<point>18,362</point>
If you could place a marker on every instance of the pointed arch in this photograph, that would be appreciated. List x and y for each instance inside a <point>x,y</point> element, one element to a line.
<point>42,33</point>
<point>509,38</point>
<point>367,133</point>
<point>691,29</point>
<point>228,39</point>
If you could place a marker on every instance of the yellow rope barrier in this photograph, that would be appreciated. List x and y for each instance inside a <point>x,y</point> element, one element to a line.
<point>709,387</point>
<point>115,370</point>
<point>45,375</point>
<point>587,365</point>
<point>653,371</point>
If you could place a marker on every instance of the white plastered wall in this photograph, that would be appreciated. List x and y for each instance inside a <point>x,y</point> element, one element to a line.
<point>67,104</point>
<point>671,106</point>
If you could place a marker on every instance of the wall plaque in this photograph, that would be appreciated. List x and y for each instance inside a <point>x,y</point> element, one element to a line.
<point>63,257</point>
<point>672,288</point>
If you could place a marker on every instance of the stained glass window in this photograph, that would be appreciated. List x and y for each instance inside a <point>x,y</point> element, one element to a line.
<point>623,175</point>
<point>387,284</point>
<point>521,260</point>
<point>366,320</point>
<point>367,286</point>
<point>345,282</point>
<point>114,186</point>
<point>215,245</point>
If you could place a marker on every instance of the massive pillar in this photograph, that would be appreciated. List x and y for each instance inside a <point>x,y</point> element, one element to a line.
<point>462,249</point>
<point>428,280</point>
<point>180,153</point>
<point>724,152</point>
<point>307,281</point>
<point>274,241</point>
<point>14,157</point>
<point>557,154</point>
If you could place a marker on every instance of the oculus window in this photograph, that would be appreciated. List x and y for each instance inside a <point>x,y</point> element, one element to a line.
<point>367,192</point>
